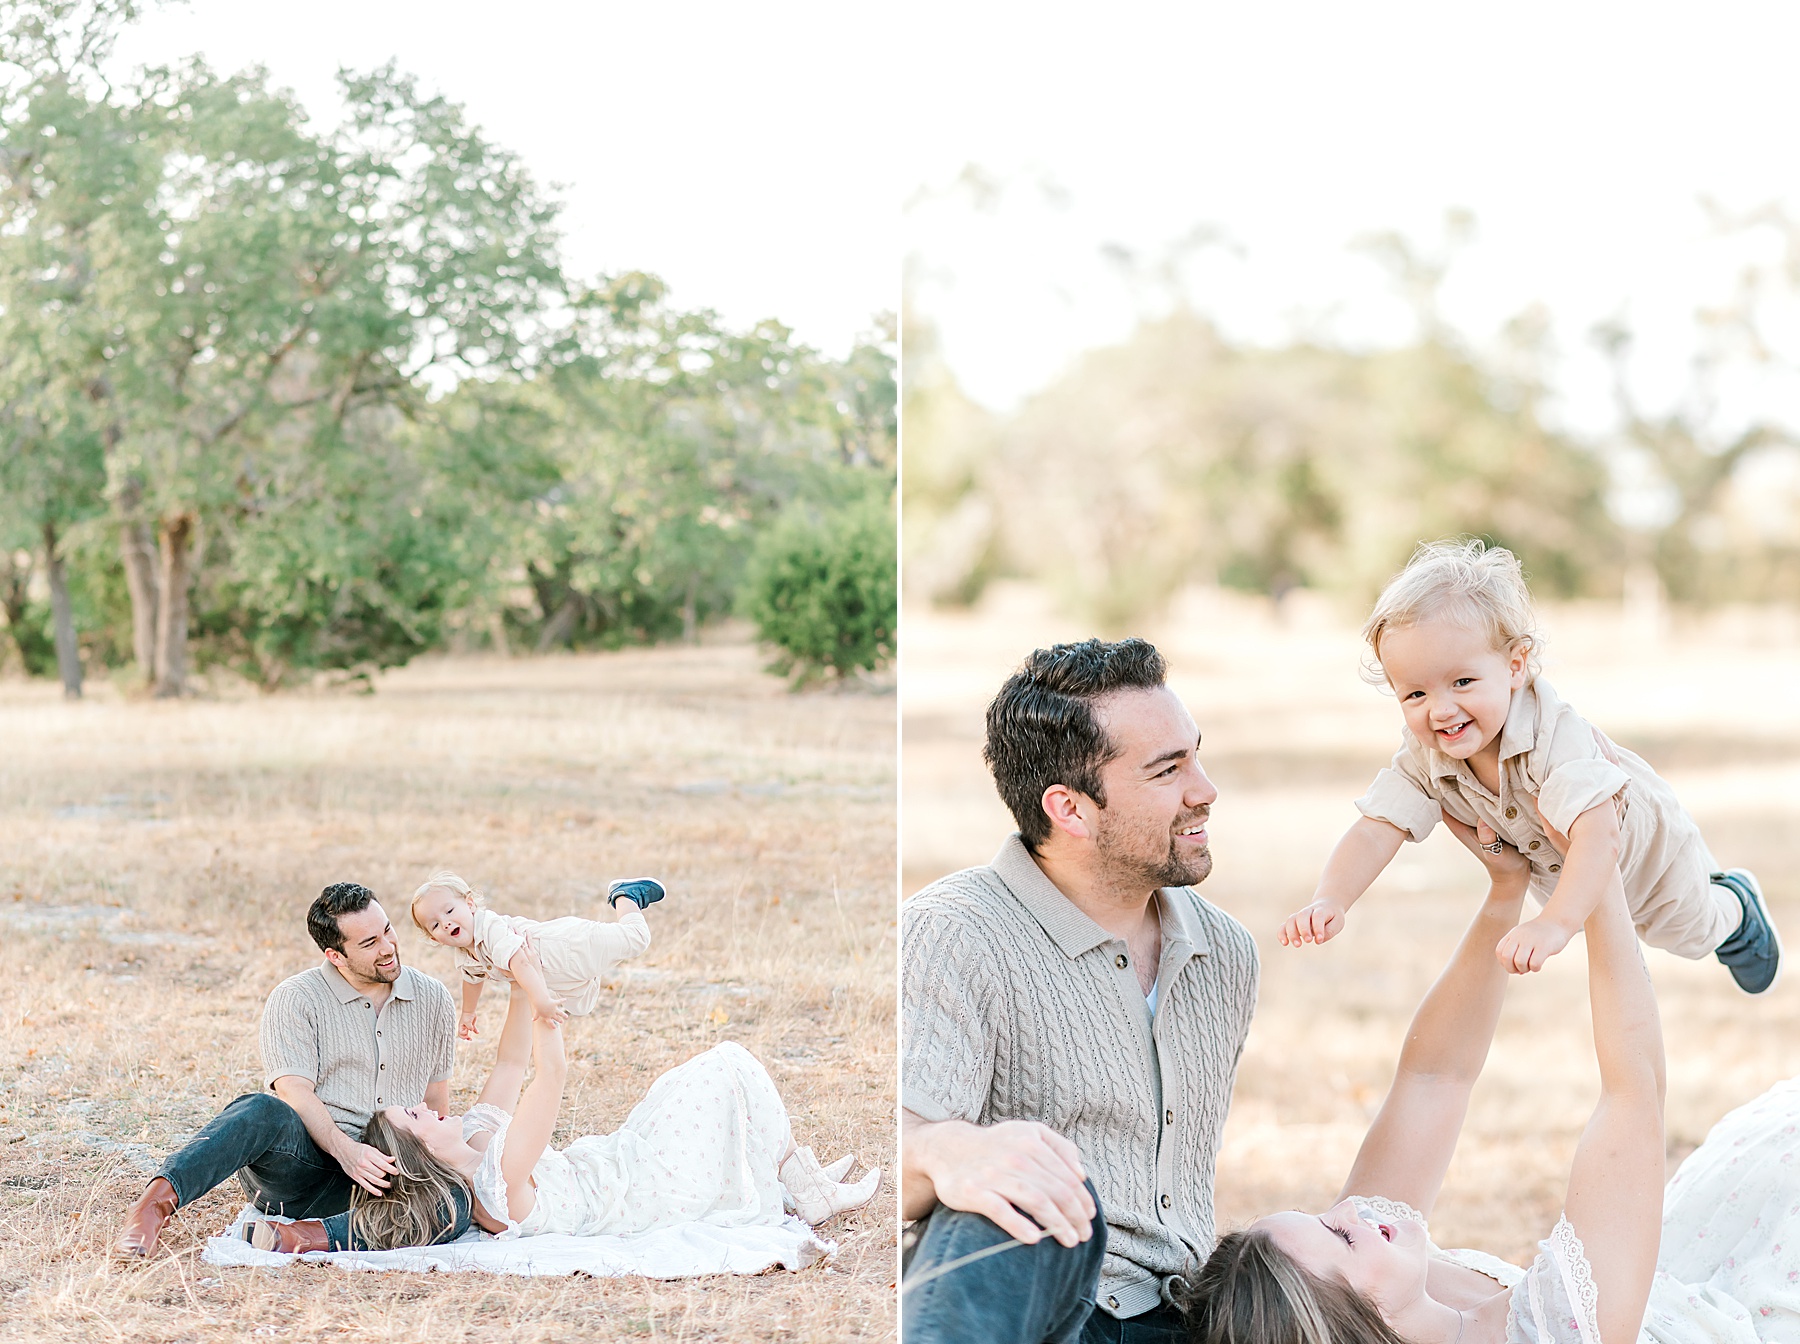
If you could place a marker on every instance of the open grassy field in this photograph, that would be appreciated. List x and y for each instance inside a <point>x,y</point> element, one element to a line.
<point>156,862</point>
<point>1291,737</point>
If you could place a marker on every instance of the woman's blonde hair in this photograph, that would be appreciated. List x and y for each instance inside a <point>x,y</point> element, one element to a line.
<point>1250,1291</point>
<point>443,880</point>
<point>420,1203</point>
<point>1470,583</point>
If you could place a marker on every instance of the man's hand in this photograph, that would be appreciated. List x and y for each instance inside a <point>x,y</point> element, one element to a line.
<point>1528,946</point>
<point>466,1028</point>
<point>368,1167</point>
<point>1320,922</point>
<point>1004,1172</point>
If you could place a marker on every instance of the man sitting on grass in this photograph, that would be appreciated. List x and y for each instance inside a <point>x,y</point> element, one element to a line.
<point>339,1042</point>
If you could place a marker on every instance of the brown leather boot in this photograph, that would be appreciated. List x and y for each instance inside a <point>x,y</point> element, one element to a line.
<point>289,1238</point>
<point>144,1221</point>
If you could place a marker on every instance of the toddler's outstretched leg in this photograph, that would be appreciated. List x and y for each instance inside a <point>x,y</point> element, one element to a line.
<point>1753,953</point>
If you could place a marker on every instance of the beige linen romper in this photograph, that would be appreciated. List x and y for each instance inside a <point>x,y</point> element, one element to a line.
<point>1554,760</point>
<point>576,953</point>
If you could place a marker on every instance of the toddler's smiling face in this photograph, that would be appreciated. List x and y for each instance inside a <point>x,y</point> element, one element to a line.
<point>1453,686</point>
<point>445,917</point>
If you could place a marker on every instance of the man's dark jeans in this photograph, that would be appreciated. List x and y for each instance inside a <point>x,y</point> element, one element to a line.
<point>1042,1294</point>
<point>262,1140</point>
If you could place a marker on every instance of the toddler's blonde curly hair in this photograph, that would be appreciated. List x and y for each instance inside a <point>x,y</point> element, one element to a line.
<point>1468,582</point>
<point>443,880</point>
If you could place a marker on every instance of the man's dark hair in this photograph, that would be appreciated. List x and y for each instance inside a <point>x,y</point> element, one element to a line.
<point>336,901</point>
<point>1041,728</point>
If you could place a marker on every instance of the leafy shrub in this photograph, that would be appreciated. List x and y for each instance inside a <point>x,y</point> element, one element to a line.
<point>822,588</point>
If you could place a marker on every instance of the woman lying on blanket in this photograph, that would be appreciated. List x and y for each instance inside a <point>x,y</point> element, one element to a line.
<point>1702,1262</point>
<point>710,1143</point>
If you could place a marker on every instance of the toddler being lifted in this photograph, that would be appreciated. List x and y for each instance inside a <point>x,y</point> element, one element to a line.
<point>1488,742</point>
<point>558,963</point>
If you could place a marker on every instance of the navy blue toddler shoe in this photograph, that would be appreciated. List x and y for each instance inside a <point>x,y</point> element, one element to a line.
<point>1753,953</point>
<point>642,890</point>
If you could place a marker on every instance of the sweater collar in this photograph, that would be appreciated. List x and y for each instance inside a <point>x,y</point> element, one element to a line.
<point>1073,931</point>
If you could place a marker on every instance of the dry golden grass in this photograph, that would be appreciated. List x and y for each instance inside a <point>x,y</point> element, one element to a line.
<point>156,861</point>
<point>1291,737</point>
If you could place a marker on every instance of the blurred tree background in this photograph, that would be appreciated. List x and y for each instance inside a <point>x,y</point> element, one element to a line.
<point>1181,457</point>
<point>290,401</point>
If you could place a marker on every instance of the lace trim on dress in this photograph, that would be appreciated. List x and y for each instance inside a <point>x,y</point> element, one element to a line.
<point>488,1180</point>
<point>1502,1272</point>
<point>1397,1209</point>
<point>1578,1278</point>
<point>483,1115</point>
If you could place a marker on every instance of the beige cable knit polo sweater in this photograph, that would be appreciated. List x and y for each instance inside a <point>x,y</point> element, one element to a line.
<point>1016,1006</point>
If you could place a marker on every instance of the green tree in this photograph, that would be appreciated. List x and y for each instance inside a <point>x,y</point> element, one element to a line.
<point>822,588</point>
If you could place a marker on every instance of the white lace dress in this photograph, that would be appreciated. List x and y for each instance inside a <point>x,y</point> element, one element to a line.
<point>1728,1271</point>
<point>703,1146</point>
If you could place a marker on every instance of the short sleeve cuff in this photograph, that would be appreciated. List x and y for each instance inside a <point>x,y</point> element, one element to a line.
<point>1399,802</point>
<point>1576,787</point>
<point>502,946</point>
<point>928,1107</point>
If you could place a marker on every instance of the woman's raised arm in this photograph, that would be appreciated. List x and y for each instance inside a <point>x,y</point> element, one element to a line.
<point>511,1057</point>
<point>1616,1182</point>
<point>535,1119</point>
<point>1408,1147</point>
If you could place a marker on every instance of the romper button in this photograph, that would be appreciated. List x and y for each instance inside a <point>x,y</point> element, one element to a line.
<point>1168,1117</point>
<point>1113,1302</point>
<point>1511,812</point>
<point>1532,845</point>
<point>1167,1202</point>
<point>1556,867</point>
<point>1120,961</point>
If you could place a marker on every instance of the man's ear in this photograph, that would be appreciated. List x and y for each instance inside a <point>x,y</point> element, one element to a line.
<point>336,958</point>
<point>1068,811</point>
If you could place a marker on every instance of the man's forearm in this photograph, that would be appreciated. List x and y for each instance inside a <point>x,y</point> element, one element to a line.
<point>317,1119</point>
<point>918,1193</point>
<point>437,1096</point>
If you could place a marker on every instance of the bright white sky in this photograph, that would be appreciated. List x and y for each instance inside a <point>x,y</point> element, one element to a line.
<point>742,152</point>
<point>1581,136</point>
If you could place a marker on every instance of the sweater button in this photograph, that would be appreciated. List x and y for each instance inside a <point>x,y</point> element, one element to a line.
<point>1120,961</point>
<point>1168,1117</point>
<point>1113,1303</point>
<point>1167,1203</point>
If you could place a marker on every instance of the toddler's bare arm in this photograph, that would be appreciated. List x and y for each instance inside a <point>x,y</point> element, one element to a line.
<point>529,976</point>
<point>471,995</point>
<point>1367,848</point>
<point>1590,865</point>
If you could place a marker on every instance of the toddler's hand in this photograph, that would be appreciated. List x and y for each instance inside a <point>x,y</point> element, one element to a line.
<point>551,1011</point>
<point>1528,946</point>
<point>1318,923</point>
<point>466,1028</point>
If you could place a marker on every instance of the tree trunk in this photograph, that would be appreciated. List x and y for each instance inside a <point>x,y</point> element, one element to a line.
<point>13,584</point>
<point>138,552</point>
<point>690,614</point>
<point>68,654</point>
<point>176,538</point>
